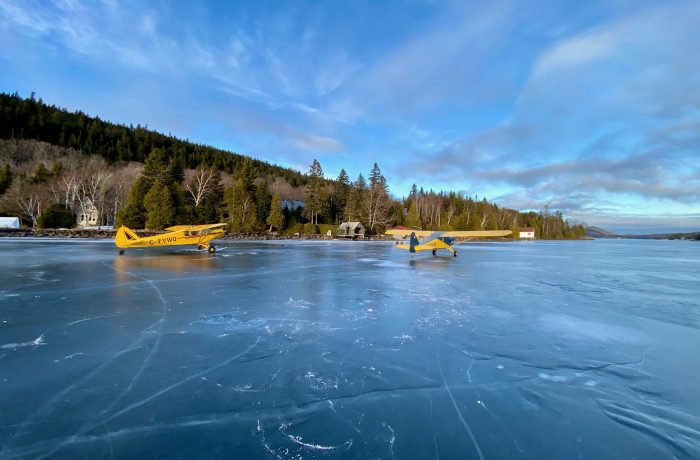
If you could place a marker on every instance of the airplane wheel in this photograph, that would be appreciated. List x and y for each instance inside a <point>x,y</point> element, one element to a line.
<point>121,252</point>
<point>433,251</point>
<point>454,253</point>
<point>212,249</point>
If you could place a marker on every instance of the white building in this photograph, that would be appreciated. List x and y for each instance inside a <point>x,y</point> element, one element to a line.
<point>527,233</point>
<point>87,215</point>
<point>9,222</point>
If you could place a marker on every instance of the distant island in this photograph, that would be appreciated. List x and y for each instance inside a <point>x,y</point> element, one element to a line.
<point>597,232</point>
<point>61,169</point>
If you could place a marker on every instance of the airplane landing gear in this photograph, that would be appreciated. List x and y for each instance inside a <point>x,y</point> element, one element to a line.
<point>212,249</point>
<point>434,251</point>
<point>121,252</point>
<point>454,254</point>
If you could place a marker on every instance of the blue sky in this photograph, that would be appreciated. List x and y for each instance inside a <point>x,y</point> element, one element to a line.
<point>592,107</point>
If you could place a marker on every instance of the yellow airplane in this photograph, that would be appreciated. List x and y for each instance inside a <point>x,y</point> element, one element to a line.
<point>432,241</point>
<point>199,235</point>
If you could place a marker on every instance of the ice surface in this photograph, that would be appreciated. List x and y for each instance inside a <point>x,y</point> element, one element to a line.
<point>350,350</point>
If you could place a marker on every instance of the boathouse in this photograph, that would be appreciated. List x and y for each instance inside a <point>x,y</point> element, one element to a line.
<point>351,230</point>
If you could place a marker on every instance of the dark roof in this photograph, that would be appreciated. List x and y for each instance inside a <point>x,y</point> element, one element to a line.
<point>292,204</point>
<point>352,224</point>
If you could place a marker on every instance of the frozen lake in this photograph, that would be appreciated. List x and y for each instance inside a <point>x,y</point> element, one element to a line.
<point>587,349</point>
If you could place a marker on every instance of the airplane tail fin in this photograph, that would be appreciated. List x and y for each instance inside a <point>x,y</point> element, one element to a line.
<point>124,236</point>
<point>413,242</point>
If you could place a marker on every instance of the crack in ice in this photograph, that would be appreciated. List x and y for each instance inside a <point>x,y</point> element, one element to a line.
<point>459,414</point>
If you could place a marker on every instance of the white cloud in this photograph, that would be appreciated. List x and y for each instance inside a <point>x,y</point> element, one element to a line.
<point>579,50</point>
<point>611,113</point>
<point>315,143</point>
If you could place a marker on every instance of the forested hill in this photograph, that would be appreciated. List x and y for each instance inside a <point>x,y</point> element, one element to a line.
<point>32,119</point>
<point>62,169</point>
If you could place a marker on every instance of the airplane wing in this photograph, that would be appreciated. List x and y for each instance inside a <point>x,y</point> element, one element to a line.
<point>419,233</point>
<point>193,228</point>
<point>476,234</point>
<point>177,228</point>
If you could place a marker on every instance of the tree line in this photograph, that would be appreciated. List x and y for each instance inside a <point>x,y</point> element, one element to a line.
<point>142,179</point>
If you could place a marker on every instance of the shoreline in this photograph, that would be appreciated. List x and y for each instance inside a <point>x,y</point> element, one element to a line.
<point>110,234</point>
<point>94,234</point>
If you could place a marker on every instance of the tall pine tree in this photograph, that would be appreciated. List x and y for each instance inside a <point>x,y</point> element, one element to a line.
<point>275,219</point>
<point>159,206</point>
<point>315,196</point>
<point>342,193</point>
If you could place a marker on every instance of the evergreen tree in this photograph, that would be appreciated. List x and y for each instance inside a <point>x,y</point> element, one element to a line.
<point>413,219</point>
<point>262,201</point>
<point>414,192</point>
<point>315,196</point>
<point>353,210</point>
<point>159,205</point>
<point>56,216</point>
<point>156,168</point>
<point>275,219</point>
<point>176,168</point>
<point>41,174</point>
<point>246,174</point>
<point>56,169</point>
<point>377,204</point>
<point>5,178</point>
<point>342,193</point>
<point>134,213</point>
<point>240,207</point>
<point>155,171</point>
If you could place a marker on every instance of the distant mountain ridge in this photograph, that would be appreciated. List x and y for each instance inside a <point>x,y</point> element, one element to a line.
<point>597,232</point>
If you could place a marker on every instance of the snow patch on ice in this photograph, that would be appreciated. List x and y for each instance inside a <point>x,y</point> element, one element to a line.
<point>552,378</point>
<point>299,303</point>
<point>404,339</point>
<point>231,323</point>
<point>300,441</point>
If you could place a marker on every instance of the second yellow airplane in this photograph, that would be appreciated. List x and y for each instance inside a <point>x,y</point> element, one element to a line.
<point>434,240</point>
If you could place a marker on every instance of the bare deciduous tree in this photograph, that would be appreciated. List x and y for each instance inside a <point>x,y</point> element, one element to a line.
<point>200,183</point>
<point>124,179</point>
<point>27,199</point>
<point>65,189</point>
<point>285,190</point>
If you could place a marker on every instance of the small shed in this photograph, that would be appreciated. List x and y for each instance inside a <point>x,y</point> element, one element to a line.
<point>351,230</point>
<point>527,233</point>
<point>9,222</point>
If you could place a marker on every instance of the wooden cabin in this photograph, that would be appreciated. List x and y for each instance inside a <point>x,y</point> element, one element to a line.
<point>351,230</point>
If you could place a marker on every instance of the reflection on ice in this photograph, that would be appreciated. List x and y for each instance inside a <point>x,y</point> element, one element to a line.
<point>297,350</point>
